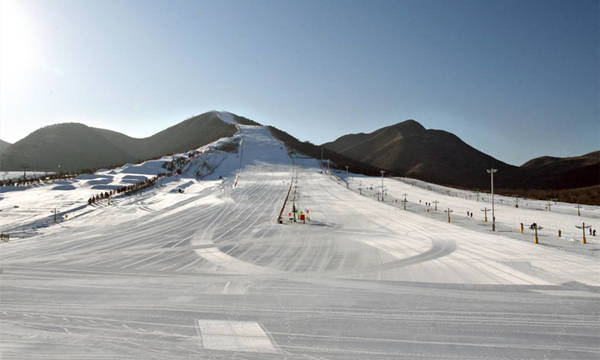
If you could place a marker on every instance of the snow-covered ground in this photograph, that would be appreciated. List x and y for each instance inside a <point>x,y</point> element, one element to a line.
<point>422,196</point>
<point>208,273</point>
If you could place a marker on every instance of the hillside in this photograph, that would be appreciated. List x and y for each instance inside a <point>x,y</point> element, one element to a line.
<point>570,162</point>
<point>407,148</point>
<point>3,145</point>
<point>338,161</point>
<point>77,146</point>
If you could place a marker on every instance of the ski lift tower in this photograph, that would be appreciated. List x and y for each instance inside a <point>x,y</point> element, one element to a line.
<point>549,203</point>
<point>485,210</point>
<point>535,227</point>
<point>448,212</point>
<point>583,227</point>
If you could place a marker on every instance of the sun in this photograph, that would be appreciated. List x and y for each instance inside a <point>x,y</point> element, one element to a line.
<point>17,46</point>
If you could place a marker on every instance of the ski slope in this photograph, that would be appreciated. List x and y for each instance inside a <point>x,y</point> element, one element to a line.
<point>209,273</point>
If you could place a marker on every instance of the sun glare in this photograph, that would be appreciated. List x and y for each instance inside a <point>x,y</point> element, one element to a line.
<point>17,46</point>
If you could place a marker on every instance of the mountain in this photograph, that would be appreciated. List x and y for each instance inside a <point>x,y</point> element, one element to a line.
<point>77,146</point>
<point>551,162</point>
<point>3,145</point>
<point>564,173</point>
<point>408,149</point>
<point>337,161</point>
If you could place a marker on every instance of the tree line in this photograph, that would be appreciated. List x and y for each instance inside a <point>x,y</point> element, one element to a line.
<point>39,180</point>
<point>125,190</point>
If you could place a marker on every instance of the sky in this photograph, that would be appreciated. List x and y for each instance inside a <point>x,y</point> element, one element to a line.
<point>514,79</point>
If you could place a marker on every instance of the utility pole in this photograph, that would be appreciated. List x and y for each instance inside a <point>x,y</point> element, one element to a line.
<point>485,210</point>
<point>491,171</point>
<point>583,227</point>
<point>435,202</point>
<point>382,171</point>
<point>448,211</point>
<point>578,210</point>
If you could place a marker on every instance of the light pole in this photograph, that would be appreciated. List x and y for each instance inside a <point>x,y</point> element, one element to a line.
<point>347,183</point>
<point>491,172</point>
<point>382,171</point>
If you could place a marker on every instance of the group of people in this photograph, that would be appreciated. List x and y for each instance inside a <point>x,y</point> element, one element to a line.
<point>125,190</point>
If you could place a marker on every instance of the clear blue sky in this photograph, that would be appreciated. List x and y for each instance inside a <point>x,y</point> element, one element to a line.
<point>515,79</point>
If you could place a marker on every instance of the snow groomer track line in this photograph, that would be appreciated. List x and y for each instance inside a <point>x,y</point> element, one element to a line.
<point>206,272</point>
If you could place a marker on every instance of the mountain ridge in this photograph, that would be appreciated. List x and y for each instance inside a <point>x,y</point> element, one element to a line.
<point>408,149</point>
<point>75,146</point>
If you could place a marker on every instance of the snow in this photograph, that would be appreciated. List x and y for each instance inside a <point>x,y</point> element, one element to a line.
<point>209,273</point>
<point>227,117</point>
<point>561,216</point>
